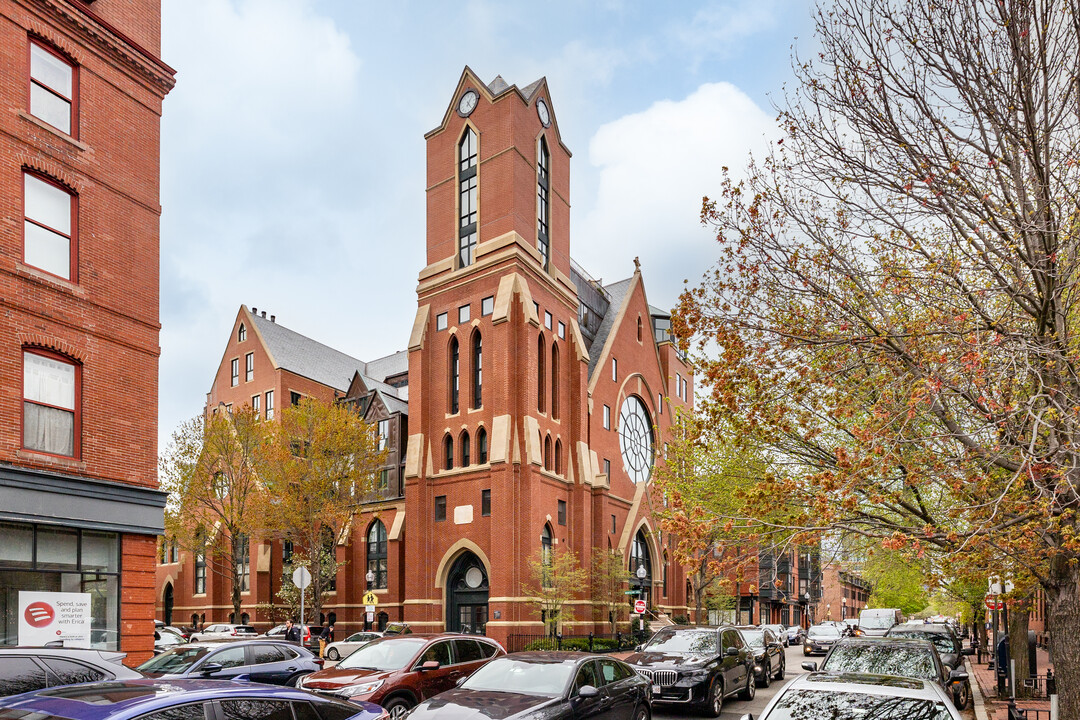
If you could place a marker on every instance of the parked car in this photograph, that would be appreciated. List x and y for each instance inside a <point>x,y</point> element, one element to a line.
<point>398,672</point>
<point>769,660</point>
<point>166,640</point>
<point>819,638</point>
<point>149,699</point>
<point>342,648</point>
<point>23,669</point>
<point>852,626</point>
<point>544,684</point>
<point>182,632</point>
<point>779,631</point>
<point>308,640</point>
<point>224,631</point>
<point>700,666</point>
<point>903,657</point>
<point>397,628</point>
<point>839,696</point>
<point>273,662</point>
<point>795,635</point>
<point>875,622</point>
<point>949,648</point>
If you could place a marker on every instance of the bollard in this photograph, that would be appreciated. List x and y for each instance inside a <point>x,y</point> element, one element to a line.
<point>618,639</point>
<point>1051,682</point>
<point>590,641</point>
<point>558,641</point>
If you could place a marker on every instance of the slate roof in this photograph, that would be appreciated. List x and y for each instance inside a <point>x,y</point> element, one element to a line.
<point>498,86</point>
<point>617,292</point>
<point>309,358</point>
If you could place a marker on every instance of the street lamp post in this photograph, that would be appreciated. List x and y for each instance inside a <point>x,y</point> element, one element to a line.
<point>843,608</point>
<point>809,610</point>
<point>641,573</point>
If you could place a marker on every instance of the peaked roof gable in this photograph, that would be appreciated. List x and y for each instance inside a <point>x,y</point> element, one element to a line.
<point>300,355</point>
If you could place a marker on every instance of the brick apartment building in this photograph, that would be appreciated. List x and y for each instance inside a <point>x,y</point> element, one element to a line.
<point>81,90</point>
<point>538,400</point>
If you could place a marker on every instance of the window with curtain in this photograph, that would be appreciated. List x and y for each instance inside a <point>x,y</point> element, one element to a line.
<point>376,554</point>
<point>50,403</point>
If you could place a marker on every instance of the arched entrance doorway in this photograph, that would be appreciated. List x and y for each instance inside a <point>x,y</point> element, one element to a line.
<point>467,595</point>
<point>639,558</point>
<point>168,604</point>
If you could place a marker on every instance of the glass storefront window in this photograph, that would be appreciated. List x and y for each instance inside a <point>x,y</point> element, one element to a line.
<point>16,545</point>
<point>57,549</point>
<point>61,549</point>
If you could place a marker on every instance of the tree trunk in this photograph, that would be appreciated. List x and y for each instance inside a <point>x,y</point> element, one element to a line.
<point>1018,641</point>
<point>1063,623</point>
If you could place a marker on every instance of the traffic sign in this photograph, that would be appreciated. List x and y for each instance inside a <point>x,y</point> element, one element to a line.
<point>370,598</point>
<point>301,577</point>
<point>993,603</point>
<point>639,606</point>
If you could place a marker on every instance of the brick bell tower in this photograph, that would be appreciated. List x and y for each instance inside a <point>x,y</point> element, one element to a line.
<point>498,466</point>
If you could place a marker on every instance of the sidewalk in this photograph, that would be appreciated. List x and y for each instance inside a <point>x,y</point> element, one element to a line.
<point>987,687</point>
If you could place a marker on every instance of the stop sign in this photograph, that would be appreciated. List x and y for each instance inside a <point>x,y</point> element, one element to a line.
<point>639,606</point>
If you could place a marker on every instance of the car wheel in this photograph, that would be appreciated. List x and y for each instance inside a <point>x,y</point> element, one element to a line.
<point>961,695</point>
<point>642,713</point>
<point>766,677</point>
<point>782,669</point>
<point>748,692</point>
<point>333,654</point>
<point>397,707</point>
<point>715,701</point>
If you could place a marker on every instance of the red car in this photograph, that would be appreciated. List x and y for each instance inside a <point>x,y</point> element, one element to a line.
<point>400,671</point>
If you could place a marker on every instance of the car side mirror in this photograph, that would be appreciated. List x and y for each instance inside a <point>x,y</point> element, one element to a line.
<point>968,651</point>
<point>809,666</point>
<point>588,691</point>
<point>430,665</point>
<point>731,652</point>
<point>211,668</point>
<point>958,675</point>
<point>747,716</point>
<point>639,648</point>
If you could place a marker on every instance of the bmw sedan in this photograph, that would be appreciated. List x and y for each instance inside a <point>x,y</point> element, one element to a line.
<point>273,662</point>
<point>543,685</point>
<point>149,699</point>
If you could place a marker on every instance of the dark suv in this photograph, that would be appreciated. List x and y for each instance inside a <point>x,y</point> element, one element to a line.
<point>23,669</point>
<point>950,650</point>
<point>697,666</point>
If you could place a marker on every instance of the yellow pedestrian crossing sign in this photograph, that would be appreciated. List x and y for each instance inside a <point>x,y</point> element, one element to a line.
<point>370,598</point>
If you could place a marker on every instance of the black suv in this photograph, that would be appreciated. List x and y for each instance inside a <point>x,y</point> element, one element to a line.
<point>949,648</point>
<point>23,669</point>
<point>696,665</point>
<point>770,663</point>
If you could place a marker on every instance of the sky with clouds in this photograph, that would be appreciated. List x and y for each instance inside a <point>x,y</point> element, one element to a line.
<point>293,150</point>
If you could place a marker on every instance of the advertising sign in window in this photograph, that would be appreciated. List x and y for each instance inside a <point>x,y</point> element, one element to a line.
<point>46,617</point>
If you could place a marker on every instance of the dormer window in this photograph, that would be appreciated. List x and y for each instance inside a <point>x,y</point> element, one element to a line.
<point>467,199</point>
<point>241,333</point>
<point>543,161</point>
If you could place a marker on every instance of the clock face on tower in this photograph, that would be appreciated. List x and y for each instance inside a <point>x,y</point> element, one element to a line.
<point>636,439</point>
<point>467,103</point>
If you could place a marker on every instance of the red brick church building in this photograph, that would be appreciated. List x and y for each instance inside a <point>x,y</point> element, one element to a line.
<point>526,412</point>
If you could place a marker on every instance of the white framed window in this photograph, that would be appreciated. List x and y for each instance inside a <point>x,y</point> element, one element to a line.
<point>440,321</point>
<point>234,372</point>
<point>49,235</point>
<point>547,320</point>
<point>52,88</point>
<point>464,313</point>
<point>269,404</point>
<point>384,433</point>
<point>487,305</point>
<point>255,404</point>
<point>562,330</point>
<point>249,367</point>
<point>607,417</point>
<point>50,403</point>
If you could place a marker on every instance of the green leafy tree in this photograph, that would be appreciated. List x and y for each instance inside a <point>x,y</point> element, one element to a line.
<point>897,582</point>
<point>555,578</point>
<point>610,579</point>
<point>210,470</point>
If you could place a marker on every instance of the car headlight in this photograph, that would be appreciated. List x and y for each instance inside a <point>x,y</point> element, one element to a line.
<point>361,689</point>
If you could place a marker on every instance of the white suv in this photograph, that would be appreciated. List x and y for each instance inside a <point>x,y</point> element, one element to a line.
<point>224,631</point>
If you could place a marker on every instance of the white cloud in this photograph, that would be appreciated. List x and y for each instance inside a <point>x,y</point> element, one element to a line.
<point>714,27</point>
<point>654,168</point>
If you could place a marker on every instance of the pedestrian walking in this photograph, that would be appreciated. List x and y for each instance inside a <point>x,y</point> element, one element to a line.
<point>325,637</point>
<point>292,632</point>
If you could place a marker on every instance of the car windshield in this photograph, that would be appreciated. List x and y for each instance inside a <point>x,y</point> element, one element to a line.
<point>943,643</point>
<point>825,705</point>
<point>823,631</point>
<point>882,659</point>
<point>515,676</point>
<point>177,660</point>
<point>876,622</point>
<point>754,638</point>
<point>386,654</point>
<point>359,637</point>
<point>695,642</point>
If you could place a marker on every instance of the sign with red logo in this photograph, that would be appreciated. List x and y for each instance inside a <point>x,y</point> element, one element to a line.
<point>47,617</point>
<point>993,603</point>
<point>639,606</point>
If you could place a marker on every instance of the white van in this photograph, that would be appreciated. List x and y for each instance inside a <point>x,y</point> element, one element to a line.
<point>876,622</point>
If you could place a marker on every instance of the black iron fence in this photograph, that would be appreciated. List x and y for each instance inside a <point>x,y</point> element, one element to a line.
<point>1030,688</point>
<point>593,642</point>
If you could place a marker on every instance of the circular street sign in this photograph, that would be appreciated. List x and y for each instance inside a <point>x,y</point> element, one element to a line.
<point>992,604</point>
<point>639,606</point>
<point>301,577</point>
